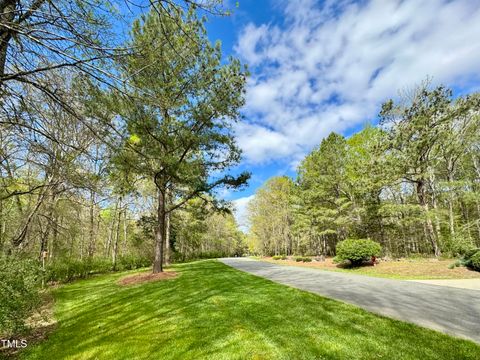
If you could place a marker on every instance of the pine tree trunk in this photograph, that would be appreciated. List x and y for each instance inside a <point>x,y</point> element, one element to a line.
<point>167,239</point>
<point>160,233</point>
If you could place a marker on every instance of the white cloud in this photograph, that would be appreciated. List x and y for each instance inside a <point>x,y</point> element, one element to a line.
<point>330,65</point>
<point>240,211</point>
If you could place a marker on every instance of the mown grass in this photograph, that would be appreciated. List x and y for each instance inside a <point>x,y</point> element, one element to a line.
<point>211,311</point>
<point>405,269</point>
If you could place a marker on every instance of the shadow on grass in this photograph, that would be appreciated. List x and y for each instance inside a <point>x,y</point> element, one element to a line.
<point>212,311</point>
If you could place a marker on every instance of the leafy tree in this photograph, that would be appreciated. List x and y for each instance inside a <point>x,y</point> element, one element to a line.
<point>178,113</point>
<point>271,217</point>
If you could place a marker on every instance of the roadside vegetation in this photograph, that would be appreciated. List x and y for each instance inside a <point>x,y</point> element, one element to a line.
<point>213,311</point>
<point>411,184</point>
<point>414,268</point>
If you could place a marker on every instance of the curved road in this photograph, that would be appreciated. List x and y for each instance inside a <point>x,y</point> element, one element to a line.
<point>450,310</point>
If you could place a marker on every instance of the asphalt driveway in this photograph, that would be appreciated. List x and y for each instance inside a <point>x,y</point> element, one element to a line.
<point>447,309</point>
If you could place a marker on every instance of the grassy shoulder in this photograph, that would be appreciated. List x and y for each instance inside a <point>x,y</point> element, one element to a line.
<point>405,269</point>
<point>211,311</point>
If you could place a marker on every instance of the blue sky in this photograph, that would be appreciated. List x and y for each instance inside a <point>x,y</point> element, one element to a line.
<point>322,66</point>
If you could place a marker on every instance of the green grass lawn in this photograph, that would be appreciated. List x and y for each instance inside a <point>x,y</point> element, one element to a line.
<point>211,311</point>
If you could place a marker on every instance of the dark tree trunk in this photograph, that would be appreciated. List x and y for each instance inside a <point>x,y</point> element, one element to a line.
<point>7,14</point>
<point>167,239</point>
<point>160,233</point>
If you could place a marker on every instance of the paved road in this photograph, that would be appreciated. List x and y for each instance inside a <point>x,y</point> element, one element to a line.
<point>450,310</point>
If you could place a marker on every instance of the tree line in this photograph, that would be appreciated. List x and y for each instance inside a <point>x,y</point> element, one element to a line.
<point>110,143</point>
<point>412,184</point>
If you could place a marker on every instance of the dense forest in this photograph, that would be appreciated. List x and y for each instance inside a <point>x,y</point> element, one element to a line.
<point>412,183</point>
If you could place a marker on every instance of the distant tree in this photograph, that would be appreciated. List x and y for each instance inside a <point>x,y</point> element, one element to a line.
<point>271,214</point>
<point>322,189</point>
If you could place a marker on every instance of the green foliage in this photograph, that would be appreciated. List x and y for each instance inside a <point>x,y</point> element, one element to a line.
<point>68,270</point>
<point>303,259</point>
<point>466,260</point>
<point>279,257</point>
<point>470,259</point>
<point>410,184</point>
<point>178,257</point>
<point>474,261</point>
<point>19,285</point>
<point>271,216</point>
<point>357,250</point>
<point>130,262</point>
<point>461,246</point>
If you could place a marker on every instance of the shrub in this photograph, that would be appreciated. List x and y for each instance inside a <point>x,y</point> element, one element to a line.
<point>461,246</point>
<point>67,270</point>
<point>475,261</point>
<point>19,283</point>
<point>303,259</point>
<point>357,250</point>
<point>130,262</point>
<point>279,257</point>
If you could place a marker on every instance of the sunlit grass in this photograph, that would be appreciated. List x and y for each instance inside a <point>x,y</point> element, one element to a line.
<point>211,311</point>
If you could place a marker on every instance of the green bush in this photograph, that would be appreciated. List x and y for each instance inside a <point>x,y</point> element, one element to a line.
<point>130,262</point>
<point>19,285</point>
<point>470,259</point>
<point>303,259</point>
<point>279,257</point>
<point>357,250</point>
<point>475,261</point>
<point>461,247</point>
<point>66,270</point>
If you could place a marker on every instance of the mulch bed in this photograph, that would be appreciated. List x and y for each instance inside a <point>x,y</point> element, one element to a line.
<point>146,277</point>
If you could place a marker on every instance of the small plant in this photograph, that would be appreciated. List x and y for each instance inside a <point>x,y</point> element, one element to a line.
<point>279,257</point>
<point>302,259</point>
<point>357,251</point>
<point>474,261</point>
